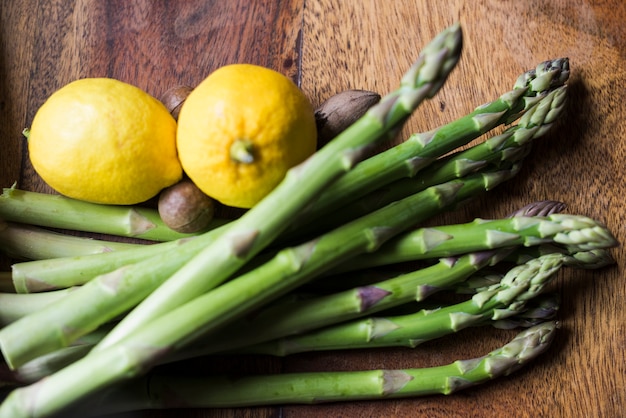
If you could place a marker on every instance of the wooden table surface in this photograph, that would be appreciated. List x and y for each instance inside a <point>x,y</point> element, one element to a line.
<point>327,46</point>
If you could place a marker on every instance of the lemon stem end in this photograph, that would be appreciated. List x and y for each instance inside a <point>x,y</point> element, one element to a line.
<point>241,151</point>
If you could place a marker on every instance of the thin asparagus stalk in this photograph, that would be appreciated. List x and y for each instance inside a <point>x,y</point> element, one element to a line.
<point>499,301</point>
<point>258,227</point>
<point>541,307</point>
<point>512,145</point>
<point>58,211</point>
<point>481,279</point>
<point>578,233</point>
<point>420,149</point>
<point>159,391</point>
<point>33,243</point>
<point>592,259</point>
<point>64,272</point>
<point>136,351</point>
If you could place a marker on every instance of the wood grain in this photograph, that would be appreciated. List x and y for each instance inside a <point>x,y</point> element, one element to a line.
<point>328,46</point>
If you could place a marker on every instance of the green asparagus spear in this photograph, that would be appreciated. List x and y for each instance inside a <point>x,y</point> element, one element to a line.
<point>481,279</point>
<point>63,272</point>
<point>62,212</point>
<point>576,232</point>
<point>32,243</point>
<point>498,301</point>
<point>160,391</point>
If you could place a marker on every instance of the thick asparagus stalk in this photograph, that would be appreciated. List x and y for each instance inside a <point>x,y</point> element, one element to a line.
<point>419,150</point>
<point>166,391</point>
<point>498,301</point>
<point>576,233</point>
<point>62,212</point>
<point>32,243</point>
<point>258,227</point>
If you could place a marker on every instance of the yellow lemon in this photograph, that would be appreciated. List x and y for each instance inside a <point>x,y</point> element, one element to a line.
<point>241,129</point>
<point>105,141</point>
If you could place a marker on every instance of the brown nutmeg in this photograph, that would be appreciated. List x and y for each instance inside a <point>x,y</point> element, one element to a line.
<point>185,208</point>
<point>340,111</point>
<point>174,98</point>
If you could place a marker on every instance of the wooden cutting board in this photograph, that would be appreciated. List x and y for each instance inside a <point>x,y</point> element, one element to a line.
<point>328,46</point>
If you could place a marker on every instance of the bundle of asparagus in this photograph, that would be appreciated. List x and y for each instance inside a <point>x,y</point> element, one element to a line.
<point>108,315</point>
